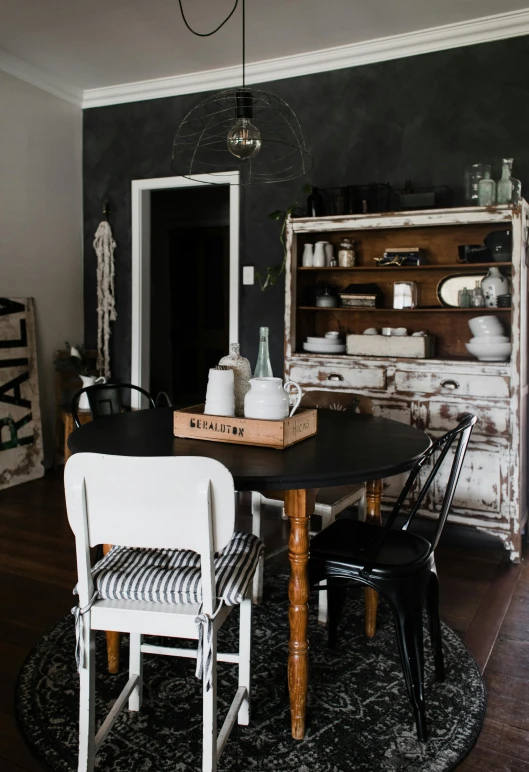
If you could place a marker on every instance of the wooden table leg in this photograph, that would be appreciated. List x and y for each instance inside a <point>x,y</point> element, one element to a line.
<point>299,506</point>
<point>373,515</point>
<point>113,638</point>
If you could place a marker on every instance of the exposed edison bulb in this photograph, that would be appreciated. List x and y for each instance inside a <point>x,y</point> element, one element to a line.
<point>244,139</point>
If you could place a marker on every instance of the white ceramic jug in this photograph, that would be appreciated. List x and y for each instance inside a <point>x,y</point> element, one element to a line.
<point>319,258</point>
<point>268,399</point>
<point>88,380</point>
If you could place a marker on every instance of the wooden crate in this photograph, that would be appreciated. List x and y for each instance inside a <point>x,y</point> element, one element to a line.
<point>191,423</point>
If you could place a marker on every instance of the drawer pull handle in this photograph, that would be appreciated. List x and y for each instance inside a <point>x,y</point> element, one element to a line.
<point>449,385</point>
<point>335,377</point>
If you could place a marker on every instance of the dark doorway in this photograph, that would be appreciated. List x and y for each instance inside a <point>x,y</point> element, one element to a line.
<point>190,266</point>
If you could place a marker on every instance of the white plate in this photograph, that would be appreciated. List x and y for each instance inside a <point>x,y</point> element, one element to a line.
<point>327,348</point>
<point>325,341</point>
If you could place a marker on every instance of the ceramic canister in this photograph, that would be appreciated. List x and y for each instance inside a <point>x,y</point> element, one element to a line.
<point>308,256</point>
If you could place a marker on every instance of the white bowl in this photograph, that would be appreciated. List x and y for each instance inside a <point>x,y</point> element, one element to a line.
<point>492,352</point>
<point>488,339</point>
<point>371,331</point>
<point>322,341</point>
<point>332,335</point>
<point>485,325</point>
<point>327,348</point>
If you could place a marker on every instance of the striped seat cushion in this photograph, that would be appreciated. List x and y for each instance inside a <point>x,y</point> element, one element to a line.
<point>173,576</point>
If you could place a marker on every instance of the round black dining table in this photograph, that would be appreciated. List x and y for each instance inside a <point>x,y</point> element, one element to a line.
<point>348,448</point>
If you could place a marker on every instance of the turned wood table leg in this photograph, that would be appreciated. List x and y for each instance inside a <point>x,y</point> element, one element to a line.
<point>373,515</point>
<point>299,506</point>
<point>113,638</point>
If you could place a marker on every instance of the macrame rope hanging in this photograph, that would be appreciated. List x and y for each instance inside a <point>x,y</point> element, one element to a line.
<point>104,246</point>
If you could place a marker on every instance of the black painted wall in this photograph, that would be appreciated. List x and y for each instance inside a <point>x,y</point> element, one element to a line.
<point>423,118</point>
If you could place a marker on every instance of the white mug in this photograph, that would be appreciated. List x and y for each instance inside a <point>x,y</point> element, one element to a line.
<point>268,400</point>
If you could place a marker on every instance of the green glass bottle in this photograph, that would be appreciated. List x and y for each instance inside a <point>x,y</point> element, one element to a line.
<point>263,368</point>
<point>504,188</point>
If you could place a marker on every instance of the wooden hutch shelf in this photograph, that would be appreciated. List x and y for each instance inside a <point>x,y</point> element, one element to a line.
<point>430,393</point>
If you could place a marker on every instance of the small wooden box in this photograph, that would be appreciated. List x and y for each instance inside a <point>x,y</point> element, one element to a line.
<point>190,422</point>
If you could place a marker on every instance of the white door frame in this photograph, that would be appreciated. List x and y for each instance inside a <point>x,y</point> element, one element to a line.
<point>141,266</point>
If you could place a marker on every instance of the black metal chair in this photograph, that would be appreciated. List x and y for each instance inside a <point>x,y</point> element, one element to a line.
<point>105,399</point>
<point>396,563</point>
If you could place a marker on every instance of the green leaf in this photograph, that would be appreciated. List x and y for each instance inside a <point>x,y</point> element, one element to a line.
<point>279,214</point>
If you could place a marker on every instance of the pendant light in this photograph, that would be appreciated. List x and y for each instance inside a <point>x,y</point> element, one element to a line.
<point>244,129</point>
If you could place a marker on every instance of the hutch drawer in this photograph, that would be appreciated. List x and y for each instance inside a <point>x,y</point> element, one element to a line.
<point>460,384</point>
<point>493,418</point>
<point>339,376</point>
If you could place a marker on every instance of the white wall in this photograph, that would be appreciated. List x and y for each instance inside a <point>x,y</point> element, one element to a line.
<point>40,222</point>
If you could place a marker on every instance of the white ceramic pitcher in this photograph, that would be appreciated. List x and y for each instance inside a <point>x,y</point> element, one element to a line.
<point>268,399</point>
<point>88,380</point>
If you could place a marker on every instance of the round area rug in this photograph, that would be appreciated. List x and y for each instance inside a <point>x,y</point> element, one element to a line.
<point>359,718</point>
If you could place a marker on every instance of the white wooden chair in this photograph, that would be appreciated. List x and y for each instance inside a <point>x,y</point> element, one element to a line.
<point>161,504</point>
<point>329,503</point>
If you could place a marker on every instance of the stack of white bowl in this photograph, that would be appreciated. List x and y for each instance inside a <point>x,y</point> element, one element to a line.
<point>220,396</point>
<point>332,343</point>
<point>489,343</point>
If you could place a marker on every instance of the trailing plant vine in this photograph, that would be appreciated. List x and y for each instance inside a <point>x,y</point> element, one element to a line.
<point>273,272</point>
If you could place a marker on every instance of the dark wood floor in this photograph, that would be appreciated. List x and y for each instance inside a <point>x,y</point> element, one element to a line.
<point>483,597</point>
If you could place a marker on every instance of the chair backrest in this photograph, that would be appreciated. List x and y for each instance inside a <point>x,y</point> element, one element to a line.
<point>105,399</point>
<point>436,454</point>
<point>165,503</point>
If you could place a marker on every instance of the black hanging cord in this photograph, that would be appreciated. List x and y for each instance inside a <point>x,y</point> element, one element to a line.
<point>207,34</point>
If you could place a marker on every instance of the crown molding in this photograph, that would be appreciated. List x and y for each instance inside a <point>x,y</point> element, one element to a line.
<point>26,72</point>
<point>483,30</point>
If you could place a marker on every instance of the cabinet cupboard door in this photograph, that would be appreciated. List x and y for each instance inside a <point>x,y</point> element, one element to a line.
<point>482,485</point>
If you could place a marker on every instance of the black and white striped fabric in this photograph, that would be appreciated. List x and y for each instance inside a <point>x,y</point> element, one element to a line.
<point>173,576</point>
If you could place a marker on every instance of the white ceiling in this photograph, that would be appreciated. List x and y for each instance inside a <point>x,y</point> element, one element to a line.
<point>107,42</point>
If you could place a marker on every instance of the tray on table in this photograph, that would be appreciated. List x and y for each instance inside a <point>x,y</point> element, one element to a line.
<point>192,423</point>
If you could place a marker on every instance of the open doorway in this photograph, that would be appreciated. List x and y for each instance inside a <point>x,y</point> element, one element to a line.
<point>190,233</point>
<point>190,271</point>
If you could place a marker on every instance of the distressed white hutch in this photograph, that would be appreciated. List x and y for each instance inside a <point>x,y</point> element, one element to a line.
<point>428,393</point>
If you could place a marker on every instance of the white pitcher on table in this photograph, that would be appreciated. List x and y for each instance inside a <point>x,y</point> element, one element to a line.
<point>268,399</point>
<point>88,380</point>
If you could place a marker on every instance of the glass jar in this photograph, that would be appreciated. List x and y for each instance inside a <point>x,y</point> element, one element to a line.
<point>346,253</point>
<point>473,174</point>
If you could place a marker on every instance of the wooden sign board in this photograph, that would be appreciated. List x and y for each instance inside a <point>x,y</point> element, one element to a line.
<point>191,423</point>
<point>20,427</point>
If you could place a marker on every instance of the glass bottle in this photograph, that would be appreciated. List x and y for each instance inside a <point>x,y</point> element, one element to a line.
<point>463,298</point>
<point>263,368</point>
<point>314,204</point>
<point>486,191</point>
<point>242,372</point>
<point>504,189</point>
<point>478,299</point>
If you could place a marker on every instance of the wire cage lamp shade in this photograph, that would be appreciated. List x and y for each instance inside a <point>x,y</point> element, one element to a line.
<point>248,130</point>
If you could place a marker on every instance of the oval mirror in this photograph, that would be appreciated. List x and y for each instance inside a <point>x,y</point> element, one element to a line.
<point>448,288</point>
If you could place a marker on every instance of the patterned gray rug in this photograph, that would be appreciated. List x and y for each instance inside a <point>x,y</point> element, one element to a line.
<point>359,718</point>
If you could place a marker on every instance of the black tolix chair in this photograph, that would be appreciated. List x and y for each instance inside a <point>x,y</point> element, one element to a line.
<point>396,563</point>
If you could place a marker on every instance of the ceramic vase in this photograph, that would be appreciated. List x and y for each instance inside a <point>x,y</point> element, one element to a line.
<point>494,284</point>
<point>308,256</point>
<point>319,258</point>
<point>242,372</point>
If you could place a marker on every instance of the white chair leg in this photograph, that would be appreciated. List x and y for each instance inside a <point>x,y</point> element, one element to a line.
<point>326,519</point>
<point>257,584</point>
<point>136,668</point>
<point>209,715</point>
<point>245,656</point>
<point>87,679</point>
